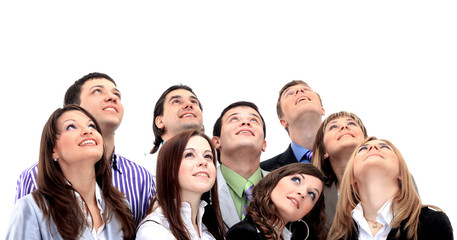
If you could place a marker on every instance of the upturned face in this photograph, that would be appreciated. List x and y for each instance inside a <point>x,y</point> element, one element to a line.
<point>340,134</point>
<point>294,196</point>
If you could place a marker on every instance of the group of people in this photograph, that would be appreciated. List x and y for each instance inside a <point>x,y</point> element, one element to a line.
<point>332,182</point>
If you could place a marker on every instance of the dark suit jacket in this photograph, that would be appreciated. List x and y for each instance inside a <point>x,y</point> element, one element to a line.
<point>244,230</point>
<point>278,161</point>
<point>432,225</point>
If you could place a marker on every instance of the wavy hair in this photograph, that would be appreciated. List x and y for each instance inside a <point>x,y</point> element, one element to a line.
<point>56,198</point>
<point>319,160</point>
<point>168,195</point>
<point>405,203</point>
<point>264,212</point>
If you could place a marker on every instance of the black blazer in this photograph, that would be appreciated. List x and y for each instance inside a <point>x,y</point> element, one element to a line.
<point>280,160</point>
<point>247,230</point>
<point>432,225</point>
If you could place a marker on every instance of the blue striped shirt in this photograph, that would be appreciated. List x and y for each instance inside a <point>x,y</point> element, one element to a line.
<point>130,178</point>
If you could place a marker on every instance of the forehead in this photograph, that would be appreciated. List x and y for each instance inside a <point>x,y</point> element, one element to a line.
<point>198,142</point>
<point>98,82</point>
<point>180,93</point>
<point>73,115</point>
<point>300,85</point>
<point>241,110</point>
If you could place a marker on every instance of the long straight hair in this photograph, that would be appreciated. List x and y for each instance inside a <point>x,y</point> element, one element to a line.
<point>264,212</point>
<point>406,203</point>
<point>168,194</point>
<point>56,198</point>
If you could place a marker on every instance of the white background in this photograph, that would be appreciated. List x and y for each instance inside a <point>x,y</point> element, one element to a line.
<point>393,63</point>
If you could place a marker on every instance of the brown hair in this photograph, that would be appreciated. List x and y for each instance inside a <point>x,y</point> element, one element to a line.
<point>319,160</point>
<point>56,197</point>
<point>265,214</point>
<point>406,203</point>
<point>168,195</point>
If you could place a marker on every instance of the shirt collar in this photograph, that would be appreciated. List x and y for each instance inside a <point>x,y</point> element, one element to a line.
<point>384,215</point>
<point>298,151</point>
<point>114,163</point>
<point>237,182</point>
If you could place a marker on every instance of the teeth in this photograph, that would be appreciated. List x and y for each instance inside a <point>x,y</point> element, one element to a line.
<point>110,109</point>
<point>188,115</point>
<point>293,200</point>
<point>87,142</point>
<point>245,132</point>
<point>202,175</point>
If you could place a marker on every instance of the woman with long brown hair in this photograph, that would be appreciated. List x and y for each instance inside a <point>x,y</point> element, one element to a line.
<point>75,198</point>
<point>186,204</point>
<point>286,204</point>
<point>378,199</point>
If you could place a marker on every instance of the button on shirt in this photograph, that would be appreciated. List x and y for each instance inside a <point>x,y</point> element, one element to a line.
<point>299,152</point>
<point>236,185</point>
<point>384,217</point>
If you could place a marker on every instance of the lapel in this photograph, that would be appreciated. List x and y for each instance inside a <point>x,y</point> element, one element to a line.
<point>287,157</point>
<point>228,209</point>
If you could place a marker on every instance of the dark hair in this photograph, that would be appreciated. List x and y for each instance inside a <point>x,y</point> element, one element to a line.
<point>264,212</point>
<point>319,160</point>
<point>283,89</point>
<point>218,124</point>
<point>168,195</point>
<point>56,197</point>
<point>158,111</point>
<point>73,94</point>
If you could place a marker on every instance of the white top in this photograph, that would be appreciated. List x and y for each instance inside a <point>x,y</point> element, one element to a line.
<point>384,217</point>
<point>96,233</point>
<point>155,225</point>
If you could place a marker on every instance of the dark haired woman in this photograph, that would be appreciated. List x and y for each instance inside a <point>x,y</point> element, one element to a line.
<point>290,195</point>
<point>75,198</point>
<point>186,204</point>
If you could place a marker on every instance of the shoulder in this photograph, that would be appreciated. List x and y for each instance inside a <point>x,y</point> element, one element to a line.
<point>243,230</point>
<point>434,223</point>
<point>125,164</point>
<point>279,160</point>
<point>29,172</point>
<point>154,224</point>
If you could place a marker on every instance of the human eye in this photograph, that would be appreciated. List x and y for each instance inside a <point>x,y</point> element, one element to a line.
<point>208,156</point>
<point>96,90</point>
<point>117,94</point>
<point>333,126</point>
<point>255,120</point>
<point>188,154</point>
<point>233,119</point>
<point>296,179</point>
<point>352,123</point>
<point>70,127</point>
<point>92,125</point>
<point>312,195</point>
<point>362,148</point>
<point>386,146</point>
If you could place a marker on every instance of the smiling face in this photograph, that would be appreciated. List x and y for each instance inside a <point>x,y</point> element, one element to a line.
<point>181,111</point>
<point>78,140</point>
<point>102,99</point>
<point>376,157</point>
<point>297,100</point>
<point>241,127</point>
<point>197,172</point>
<point>340,134</point>
<point>295,195</point>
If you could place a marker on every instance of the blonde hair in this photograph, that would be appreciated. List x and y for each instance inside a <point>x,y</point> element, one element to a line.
<point>406,203</point>
<point>319,160</point>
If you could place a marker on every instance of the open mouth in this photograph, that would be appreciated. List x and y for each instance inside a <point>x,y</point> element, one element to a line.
<point>346,135</point>
<point>110,108</point>
<point>295,202</point>
<point>88,142</point>
<point>201,174</point>
<point>301,99</point>
<point>188,115</point>
<point>245,132</point>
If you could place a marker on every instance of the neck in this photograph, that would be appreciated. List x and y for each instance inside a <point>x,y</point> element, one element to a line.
<point>83,181</point>
<point>303,131</point>
<point>194,201</point>
<point>338,162</point>
<point>242,161</point>
<point>374,193</point>
<point>108,140</point>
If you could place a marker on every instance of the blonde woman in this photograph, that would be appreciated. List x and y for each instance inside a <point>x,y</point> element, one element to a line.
<point>378,199</point>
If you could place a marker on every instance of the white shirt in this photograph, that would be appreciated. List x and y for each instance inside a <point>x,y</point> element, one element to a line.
<point>156,226</point>
<point>99,233</point>
<point>384,216</point>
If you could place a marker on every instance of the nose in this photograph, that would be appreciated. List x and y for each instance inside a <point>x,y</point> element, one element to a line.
<point>300,193</point>
<point>374,146</point>
<point>87,131</point>
<point>245,123</point>
<point>344,126</point>
<point>202,162</point>
<point>112,97</point>
<point>299,90</point>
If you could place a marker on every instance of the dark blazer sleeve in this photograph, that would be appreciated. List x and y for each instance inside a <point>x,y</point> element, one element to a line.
<point>278,161</point>
<point>244,230</point>
<point>434,225</point>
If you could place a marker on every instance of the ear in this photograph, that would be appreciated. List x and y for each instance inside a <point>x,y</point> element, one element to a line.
<point>54,154</point>
<point>325,155</point>
<point>159,122</point>
<point>216,142</point>
<point>323,111</point>
<point>264,146</point>
<point>283,122</point>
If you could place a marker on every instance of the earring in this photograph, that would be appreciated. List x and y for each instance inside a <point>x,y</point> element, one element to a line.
<point>55,159</point>
<point>325,156</point>
<point>210,198</point>
<point>307,228</point>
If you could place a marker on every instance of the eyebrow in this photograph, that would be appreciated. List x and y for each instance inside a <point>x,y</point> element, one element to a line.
<point>181,97</point>
<point>236,113</point>
<point>101,86</point>
<point>317,190</point>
